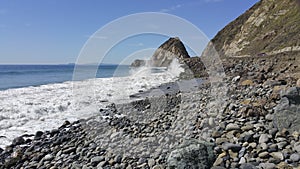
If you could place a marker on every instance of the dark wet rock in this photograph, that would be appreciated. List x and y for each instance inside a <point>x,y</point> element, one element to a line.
<point>192,154</point>
<point>18,141</point>
<point>38,135</point>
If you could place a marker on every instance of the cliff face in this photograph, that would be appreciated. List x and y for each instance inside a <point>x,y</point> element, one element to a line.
<point>172,48</point>
<point>269,27</point>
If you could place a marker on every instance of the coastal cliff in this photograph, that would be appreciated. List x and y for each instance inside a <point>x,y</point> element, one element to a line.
<point>269,27</point>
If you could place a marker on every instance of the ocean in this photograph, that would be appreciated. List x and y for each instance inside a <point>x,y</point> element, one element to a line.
<point>16,76</point>
<point>41,97</point>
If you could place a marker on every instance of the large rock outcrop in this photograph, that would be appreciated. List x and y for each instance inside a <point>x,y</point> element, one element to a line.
<point>287,112</point>
<point>172,48</point>
<point>193,155</point>
<point>268,28</point>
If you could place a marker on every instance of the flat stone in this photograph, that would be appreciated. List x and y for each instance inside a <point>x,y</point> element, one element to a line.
<point>247,127</point>
<point>273,148</point>
<point>232,126</point>
<point>263,154</point>
<point>281,145</point>
<point>263,138</point>
<point>277,155</point>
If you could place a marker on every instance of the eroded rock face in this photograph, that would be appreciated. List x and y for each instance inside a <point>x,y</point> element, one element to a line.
<point>172,48</point>
<point>287,112</point>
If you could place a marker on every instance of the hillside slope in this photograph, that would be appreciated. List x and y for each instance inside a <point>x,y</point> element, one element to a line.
<point>269,27</point>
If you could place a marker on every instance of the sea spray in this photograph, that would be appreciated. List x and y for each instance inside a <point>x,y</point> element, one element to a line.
<point>175,68</point>
<point>30,109</point>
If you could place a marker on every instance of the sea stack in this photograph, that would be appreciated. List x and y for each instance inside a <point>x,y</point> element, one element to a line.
<point>172,48</point>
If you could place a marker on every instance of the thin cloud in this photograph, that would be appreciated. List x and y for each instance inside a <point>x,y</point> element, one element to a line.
<point>172,8</point>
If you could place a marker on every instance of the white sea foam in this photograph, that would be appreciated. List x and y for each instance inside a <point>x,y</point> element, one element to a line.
<point>31,109</point>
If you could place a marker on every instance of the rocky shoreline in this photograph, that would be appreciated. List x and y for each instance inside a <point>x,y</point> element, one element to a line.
<point>241,122</point>
<point>249,118</point>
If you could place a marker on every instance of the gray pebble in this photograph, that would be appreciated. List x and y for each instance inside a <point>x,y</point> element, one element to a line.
<point>295,157</point>
<point>48,157</point>
<point>267,165</point>
<point>231,146</point>
<point>263,138</point>
<point>232,126</point>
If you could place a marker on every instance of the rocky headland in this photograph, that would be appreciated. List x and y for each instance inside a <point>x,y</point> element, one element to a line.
<point>248,119</point>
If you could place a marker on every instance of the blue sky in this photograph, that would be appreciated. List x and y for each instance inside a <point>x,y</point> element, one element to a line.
<point>54,31</point>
